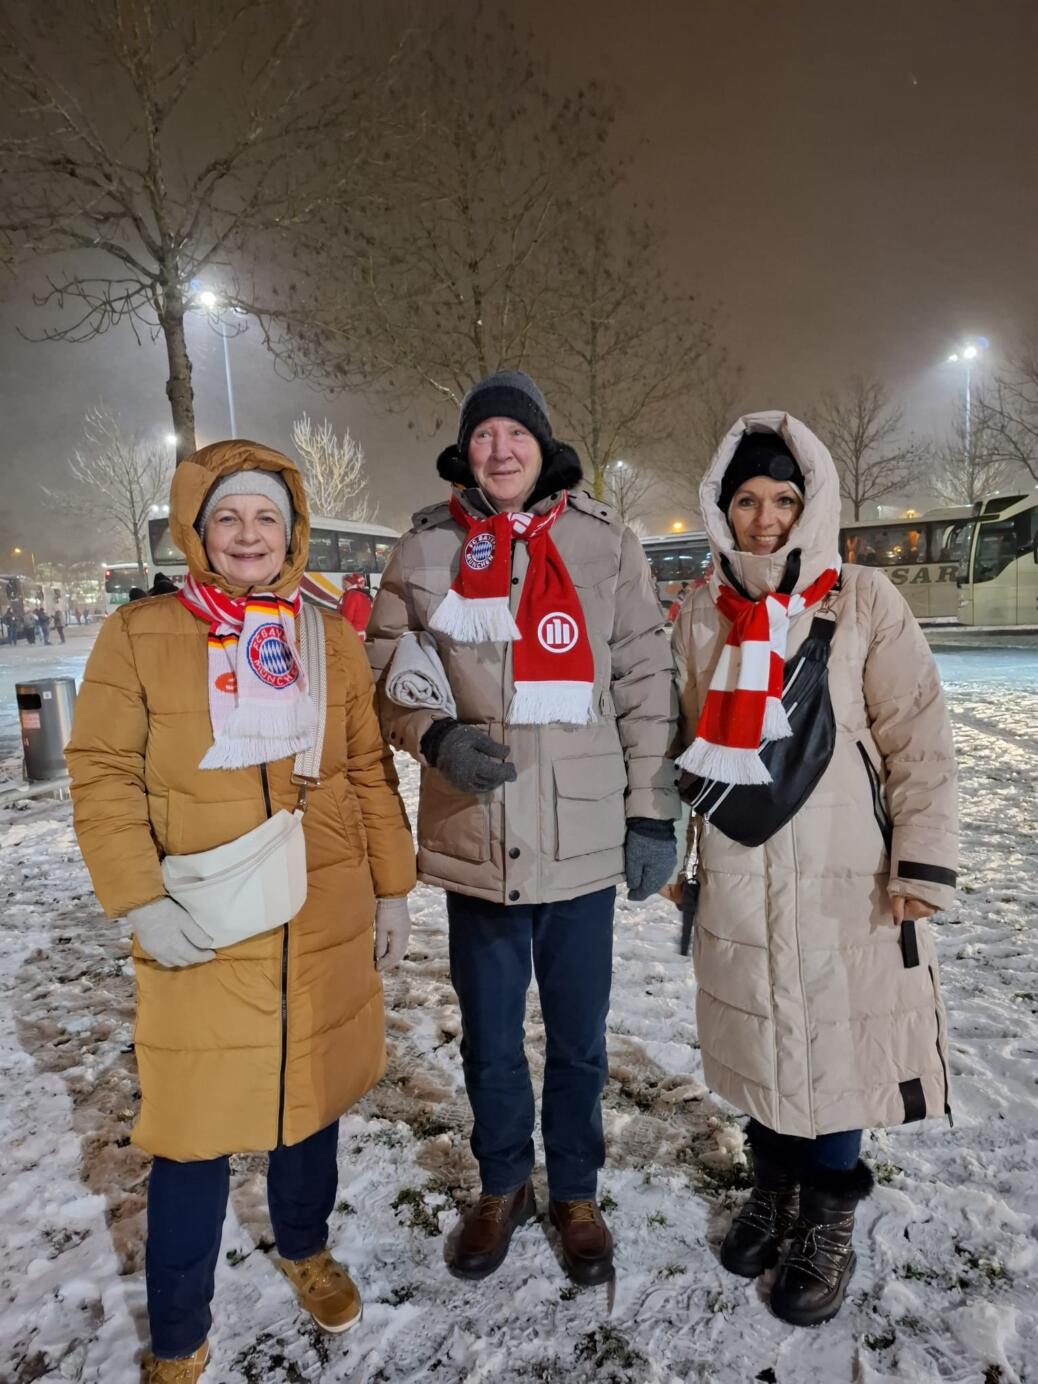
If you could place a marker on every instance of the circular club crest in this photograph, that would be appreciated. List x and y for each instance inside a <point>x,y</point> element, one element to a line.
<point>270,658</point>
<point>479,552</point>
<point>557,632</point>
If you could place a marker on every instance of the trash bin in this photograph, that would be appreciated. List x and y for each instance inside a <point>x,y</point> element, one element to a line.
<point>45,712</point>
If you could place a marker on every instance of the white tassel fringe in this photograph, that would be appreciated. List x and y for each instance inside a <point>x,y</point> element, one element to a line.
<point>485,620</point>
<point>724,764</point>
<point>776,722</point>
<point>549,703</point>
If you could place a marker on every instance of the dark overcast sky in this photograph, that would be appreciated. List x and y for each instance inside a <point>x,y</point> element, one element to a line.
<point>856,185</point>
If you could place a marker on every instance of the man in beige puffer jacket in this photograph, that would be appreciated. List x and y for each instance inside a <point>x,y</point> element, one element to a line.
<point>530,822</point>
<point>818,1006</point>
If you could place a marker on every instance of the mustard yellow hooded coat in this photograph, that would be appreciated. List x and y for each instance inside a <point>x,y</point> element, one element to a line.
<point>280,1034</point>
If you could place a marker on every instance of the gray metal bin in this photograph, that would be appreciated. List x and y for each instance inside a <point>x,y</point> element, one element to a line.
<point>45,712</point>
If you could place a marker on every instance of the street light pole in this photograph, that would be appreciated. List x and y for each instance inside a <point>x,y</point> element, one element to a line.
<point>212,304</point>
<point>968,354</point>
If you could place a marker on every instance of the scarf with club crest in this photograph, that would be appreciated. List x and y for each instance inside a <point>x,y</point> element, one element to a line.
<point>743,706</point>
<point>552,663</point>
<point>259,703</point>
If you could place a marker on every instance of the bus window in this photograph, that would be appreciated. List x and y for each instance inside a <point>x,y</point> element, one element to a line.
<point>164,552</point>
<point>356,552</point>
<point>996,548</point>
<point>951,542</point>
<point>383,547</point>
<point>324,551</point>
<point>885,545</point>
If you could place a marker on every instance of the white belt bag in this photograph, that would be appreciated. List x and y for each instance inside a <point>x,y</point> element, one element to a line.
<point>258,882</point>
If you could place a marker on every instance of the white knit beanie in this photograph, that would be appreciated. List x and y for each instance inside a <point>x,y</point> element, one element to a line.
<point>248,482</point>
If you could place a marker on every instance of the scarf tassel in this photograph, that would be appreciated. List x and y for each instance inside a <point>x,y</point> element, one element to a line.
<point>479,620</point>
<point>724,763</point>
<point>776,722</point>
<point>542,703</point>
<point>255,734</point>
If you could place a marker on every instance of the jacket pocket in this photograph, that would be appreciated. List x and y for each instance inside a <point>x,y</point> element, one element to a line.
<point>195,825</point>
<point>879,809</point>
<point>589,805</point>
<point>451,822</point>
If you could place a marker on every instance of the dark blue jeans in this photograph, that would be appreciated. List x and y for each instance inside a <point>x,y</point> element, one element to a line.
<point>839,1151</point>
<point>569,946</point>
<point>186,1206</point>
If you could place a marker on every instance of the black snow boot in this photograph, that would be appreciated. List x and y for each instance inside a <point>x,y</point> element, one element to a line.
<point>754,1237</point>
<point>811,1284</point>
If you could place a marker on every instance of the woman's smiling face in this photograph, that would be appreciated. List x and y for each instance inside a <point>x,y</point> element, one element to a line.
<point>245,540</point>
<point>762,513</point>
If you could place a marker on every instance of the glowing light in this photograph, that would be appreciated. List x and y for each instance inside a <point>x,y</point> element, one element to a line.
<point>208,299</point>
<point>171,438</point>
<point>678,526</point>
<point>970,353</point>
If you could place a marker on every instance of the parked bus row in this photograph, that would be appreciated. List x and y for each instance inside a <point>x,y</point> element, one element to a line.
<point>975,564</point>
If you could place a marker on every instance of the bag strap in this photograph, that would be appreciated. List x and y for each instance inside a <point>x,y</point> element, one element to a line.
<point>306,772</point>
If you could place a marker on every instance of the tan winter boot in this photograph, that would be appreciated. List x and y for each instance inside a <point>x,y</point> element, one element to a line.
<point>184,1370</point>
<point>325,1290</point>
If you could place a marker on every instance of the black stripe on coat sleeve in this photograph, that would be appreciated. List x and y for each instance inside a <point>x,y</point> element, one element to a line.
<point>933,874</point>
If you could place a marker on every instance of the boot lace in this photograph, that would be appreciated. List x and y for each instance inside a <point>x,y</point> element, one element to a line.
<point>320,1273</point>
<point>581,1212</point>
<point>490,1207</point>
<point>820,1251</point>
<point>772,1212</point>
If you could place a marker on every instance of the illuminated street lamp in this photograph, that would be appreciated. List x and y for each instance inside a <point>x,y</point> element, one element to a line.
<point>966,355</point>
<point>207,299</point>
<point>678,526</point>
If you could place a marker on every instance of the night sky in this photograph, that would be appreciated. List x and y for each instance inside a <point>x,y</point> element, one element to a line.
<point>854,186</point>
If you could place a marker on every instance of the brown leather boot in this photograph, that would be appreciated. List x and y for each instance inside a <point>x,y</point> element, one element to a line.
<point>587,1246</point>
<point>486,1231</point>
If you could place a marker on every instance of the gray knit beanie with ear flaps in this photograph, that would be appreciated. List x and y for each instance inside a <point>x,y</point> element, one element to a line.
<point>249,482</point>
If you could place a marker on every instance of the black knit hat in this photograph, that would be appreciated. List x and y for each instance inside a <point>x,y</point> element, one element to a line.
<point>759,454</point>
<point>511,394</point>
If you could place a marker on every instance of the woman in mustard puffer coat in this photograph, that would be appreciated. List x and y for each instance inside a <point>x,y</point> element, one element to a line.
<point>191,712</point>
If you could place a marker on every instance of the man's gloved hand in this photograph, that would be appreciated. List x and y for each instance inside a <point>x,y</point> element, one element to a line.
<point>650,855</point>
<point>169,935</point>
<point>392,929</point>
<point>467,756</point>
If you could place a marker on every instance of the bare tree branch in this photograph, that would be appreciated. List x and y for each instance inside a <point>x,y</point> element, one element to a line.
<point>864,432</point>
<point>336,472</point>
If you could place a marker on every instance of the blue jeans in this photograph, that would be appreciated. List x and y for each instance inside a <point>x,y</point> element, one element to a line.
<point>186,1206</point>
<point>569,945</point>
<point>836,1151</point>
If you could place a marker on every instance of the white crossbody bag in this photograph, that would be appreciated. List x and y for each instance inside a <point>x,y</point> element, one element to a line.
<point>258,881</point>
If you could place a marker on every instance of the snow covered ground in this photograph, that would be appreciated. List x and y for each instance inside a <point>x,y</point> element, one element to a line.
<point>947,1280</point>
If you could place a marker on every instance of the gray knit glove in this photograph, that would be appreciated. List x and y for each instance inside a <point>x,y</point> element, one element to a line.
<point>169,935</point>
<point>650,855</point>
<point>467,756</point>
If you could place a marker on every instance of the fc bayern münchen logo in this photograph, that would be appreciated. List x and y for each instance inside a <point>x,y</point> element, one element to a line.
<point>270,658</point>
<point>479,552</point>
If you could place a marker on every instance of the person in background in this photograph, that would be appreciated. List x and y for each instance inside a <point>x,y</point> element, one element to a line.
<point>550,786</point>
<point>10,626</point>
<point>59,623</point>
<point>162,586</point>
<point>137,593</point>
<point>818,1008</point>
<point>263,1045</point>
<point>355,605</point>
<point>43,623</point>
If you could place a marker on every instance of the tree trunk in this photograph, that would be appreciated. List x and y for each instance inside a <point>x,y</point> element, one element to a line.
<point>179,392</point>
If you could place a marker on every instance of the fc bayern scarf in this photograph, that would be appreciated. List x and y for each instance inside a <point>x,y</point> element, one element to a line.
<point>552,663</point>
<point>743,707</point>
<point>259,703</point>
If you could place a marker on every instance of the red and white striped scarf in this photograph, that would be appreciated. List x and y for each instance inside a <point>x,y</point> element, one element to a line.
<point>743,706</point>
<point>259,703</point>
<point>552,663</point>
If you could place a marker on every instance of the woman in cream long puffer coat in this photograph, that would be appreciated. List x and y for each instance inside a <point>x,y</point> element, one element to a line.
<point>818,1005</point>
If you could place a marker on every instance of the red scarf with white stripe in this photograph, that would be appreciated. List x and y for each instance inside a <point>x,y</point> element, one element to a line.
<point>552,663</point>
<point>259,703</point>
<point>743,706</point>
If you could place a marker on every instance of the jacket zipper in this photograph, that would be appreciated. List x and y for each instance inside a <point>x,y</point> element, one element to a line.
<point>940,1055</point>
<point>264,780</point>
<point>875,788</point>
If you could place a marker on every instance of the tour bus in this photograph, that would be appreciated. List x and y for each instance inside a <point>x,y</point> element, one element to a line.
<point>338,548</point>
<point>119,578</point>
<point>679,563</point>
<point>998,575</point>
<point>921,556</point>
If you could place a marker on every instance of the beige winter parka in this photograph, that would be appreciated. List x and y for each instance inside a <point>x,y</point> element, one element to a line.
<point>558,830</point>
<point>815,1015</point>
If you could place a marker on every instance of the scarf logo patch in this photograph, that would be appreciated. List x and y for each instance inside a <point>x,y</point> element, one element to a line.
<point>226,682</point>
<point>479,552</point>
<point>270,658</point>
<point>557,632</point>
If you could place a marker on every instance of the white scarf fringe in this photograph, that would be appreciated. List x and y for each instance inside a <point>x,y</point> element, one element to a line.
<point>723,763</point>
<point>486,620</point>
<point>545,703</point>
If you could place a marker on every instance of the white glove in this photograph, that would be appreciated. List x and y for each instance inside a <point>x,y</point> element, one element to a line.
<point>392,929</point>
<point>169,935</point>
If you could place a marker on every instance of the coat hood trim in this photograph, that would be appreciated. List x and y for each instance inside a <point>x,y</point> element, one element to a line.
<point>196,476</point>
<point>816,532</point>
